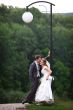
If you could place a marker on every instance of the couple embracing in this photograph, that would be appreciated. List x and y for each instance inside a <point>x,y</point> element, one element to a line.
<point>40,77</point>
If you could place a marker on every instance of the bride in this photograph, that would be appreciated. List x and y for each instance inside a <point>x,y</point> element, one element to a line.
<point>44,91</point>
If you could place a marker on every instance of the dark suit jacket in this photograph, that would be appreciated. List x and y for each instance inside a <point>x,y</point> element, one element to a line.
<point>33,72</point>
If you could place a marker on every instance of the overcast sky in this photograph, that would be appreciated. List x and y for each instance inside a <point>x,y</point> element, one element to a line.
<point>61,6</point>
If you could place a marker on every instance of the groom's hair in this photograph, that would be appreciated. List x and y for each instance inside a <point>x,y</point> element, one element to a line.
<point>37,57</point>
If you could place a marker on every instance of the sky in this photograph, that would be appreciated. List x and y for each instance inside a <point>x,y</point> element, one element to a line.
<point>61,6</point>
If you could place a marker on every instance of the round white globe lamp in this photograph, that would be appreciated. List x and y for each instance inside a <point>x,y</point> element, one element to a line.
<point>27,17</point>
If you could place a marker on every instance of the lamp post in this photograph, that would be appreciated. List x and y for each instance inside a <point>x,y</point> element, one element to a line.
<point>28,17</point>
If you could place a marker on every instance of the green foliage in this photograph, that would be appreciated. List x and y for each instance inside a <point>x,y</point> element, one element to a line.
<point>61,82</point>
<point>14,68</point>
<point>10,96</point>
<point>15,96</point>
<point>3,96</point>
<point>61,43</point>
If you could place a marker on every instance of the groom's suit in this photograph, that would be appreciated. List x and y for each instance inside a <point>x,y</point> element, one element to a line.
<point>34,75</point>
<point>34,71</point>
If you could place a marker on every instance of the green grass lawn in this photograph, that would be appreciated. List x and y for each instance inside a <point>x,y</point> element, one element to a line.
<point>61,105</point>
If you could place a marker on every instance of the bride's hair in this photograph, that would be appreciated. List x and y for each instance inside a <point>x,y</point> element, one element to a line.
<point>44,61</point>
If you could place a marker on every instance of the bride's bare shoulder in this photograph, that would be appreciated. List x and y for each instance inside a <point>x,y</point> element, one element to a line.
<point>45,67</point>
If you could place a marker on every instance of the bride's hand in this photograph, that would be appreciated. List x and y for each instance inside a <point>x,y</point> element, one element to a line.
<point>49,53</point>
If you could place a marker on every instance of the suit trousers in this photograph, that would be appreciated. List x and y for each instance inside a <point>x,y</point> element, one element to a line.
<point>31,94</point>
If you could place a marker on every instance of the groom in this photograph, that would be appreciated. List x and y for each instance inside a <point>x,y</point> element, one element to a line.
<point>34,75</point>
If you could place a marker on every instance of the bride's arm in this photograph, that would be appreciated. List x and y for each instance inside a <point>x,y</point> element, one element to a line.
<point>49,71</point>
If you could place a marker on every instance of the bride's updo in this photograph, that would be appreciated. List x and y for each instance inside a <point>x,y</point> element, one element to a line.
<point>44,61</point>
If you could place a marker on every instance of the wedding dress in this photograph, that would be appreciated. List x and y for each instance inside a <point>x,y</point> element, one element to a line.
<point>44,91</point>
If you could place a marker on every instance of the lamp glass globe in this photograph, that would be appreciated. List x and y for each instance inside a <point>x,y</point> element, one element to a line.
<point>27,17</point>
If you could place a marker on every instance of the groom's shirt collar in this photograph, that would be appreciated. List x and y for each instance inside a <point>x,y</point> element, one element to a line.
<point>36,63</point>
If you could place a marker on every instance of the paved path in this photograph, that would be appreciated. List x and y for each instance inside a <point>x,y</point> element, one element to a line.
<point>13,106</point>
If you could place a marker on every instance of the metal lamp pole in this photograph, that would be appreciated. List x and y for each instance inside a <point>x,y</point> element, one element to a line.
<point>25,18</point>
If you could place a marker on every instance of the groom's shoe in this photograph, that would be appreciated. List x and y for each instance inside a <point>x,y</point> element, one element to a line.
<point>24,101</point>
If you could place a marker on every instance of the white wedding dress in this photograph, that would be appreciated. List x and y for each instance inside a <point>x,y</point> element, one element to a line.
<point>44,91</point>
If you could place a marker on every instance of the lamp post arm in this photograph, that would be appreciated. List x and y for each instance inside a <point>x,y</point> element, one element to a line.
<point>38,2</point>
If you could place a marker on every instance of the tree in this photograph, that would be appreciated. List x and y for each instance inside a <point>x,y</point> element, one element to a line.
<point>62,82</point>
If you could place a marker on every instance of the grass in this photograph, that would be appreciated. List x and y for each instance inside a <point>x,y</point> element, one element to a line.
<point>60,105</point>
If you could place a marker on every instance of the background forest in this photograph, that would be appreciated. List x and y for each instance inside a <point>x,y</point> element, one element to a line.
<point>19,42</point>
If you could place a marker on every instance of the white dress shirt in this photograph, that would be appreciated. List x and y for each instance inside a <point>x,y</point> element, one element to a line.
<point>38,73</point>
